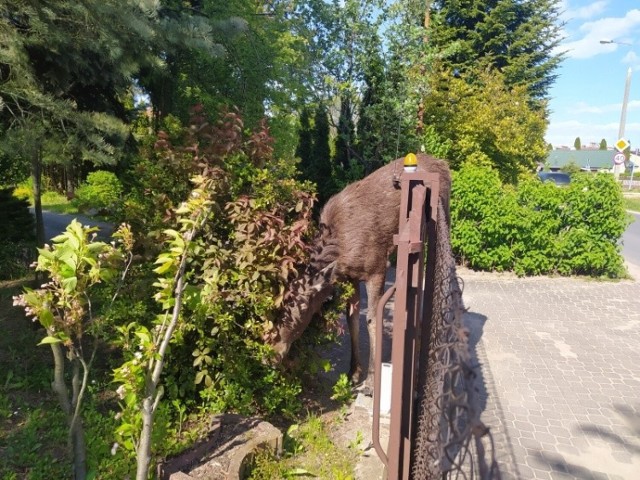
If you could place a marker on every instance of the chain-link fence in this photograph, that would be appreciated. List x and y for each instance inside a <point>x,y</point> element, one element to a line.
<point>450,441</point>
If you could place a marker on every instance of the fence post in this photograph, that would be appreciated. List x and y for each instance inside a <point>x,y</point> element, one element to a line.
<point>419,192</point>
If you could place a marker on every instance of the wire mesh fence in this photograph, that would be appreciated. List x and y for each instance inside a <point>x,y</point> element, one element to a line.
<point>450,441</point>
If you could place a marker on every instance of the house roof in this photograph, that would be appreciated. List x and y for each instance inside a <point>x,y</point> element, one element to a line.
<point>591,158</point>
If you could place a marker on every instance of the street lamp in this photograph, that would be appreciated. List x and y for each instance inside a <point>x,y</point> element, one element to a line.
<point>607,42</point>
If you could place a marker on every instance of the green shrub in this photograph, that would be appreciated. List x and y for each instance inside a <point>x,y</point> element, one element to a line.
<point>18,235</point>
<point>537,228</point>
<point>101,191</point>
<point>24,191</point>
<point>15,259</point>
<point>17,222</point>
<point>241,262</point>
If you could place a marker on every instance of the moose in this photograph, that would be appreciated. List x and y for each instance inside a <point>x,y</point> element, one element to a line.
<point>354,241</point>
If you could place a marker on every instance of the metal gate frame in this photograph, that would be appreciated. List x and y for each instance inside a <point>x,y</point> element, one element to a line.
<point>411,324</point>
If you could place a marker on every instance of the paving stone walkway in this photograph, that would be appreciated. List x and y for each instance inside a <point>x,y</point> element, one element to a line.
<point>560,374</point>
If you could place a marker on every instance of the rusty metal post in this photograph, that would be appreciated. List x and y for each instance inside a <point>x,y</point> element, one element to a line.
<point>377,375</point>
<point>417,188</point>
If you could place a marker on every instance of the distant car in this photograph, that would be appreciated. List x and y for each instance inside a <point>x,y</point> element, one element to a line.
<point>561,179</point>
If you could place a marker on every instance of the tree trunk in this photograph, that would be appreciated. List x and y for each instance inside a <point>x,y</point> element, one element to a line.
<point>152,394</point>
<point>69,182</point>
<point>76,428</point>
<point>144,447</point>
<point>423,70</point>
<point>36,174</point>
<point>58,385</point>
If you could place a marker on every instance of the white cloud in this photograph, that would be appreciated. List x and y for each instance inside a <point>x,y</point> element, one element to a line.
<point>564,133</point>
<point>632,59</point>
<point>588,11</point>
<point>620,29</point>
<point>584,107</point>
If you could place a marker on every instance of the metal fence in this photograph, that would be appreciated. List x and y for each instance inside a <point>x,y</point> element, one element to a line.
<point>435,430</point>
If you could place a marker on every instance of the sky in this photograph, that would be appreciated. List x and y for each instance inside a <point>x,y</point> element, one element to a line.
<point>586,99</point>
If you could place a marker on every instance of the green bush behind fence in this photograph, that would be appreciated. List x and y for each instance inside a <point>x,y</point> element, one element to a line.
<point>538,228</point>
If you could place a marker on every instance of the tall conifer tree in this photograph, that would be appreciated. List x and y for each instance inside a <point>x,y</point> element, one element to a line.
<point>519,38</point>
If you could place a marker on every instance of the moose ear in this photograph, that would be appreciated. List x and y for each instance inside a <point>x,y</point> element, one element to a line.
<point>325,276</point>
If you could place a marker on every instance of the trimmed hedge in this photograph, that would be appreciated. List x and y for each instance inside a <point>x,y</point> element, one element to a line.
<point>537,228</point>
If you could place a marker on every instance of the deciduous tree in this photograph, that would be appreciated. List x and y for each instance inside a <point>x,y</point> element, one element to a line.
<point>486,122</point>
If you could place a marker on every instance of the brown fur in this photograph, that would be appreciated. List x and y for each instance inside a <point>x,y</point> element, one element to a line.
<point>355,239</point>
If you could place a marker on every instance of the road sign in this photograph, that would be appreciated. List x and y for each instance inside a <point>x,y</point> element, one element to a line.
<point>619,158</point>
<point>622,145</point>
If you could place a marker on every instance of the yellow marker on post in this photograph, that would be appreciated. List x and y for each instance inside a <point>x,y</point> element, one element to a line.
<point>410,163</point>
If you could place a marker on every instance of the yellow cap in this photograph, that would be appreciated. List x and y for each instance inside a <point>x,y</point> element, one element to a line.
<point>411,160</point>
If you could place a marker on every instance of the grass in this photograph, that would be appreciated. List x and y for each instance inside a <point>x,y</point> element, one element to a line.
<point>308,452</point>
<point>54,202</point>
<point>632,203</point>
<point>33,433</point>
<point>51,200</point>
<point>33,429</point>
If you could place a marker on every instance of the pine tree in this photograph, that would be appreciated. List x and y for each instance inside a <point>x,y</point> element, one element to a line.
<point>345,136</point>
<point>321,156</point>
<point>515,37</point>
<point>314,152</point>
<point>577,143</point>
<point>305,145</point>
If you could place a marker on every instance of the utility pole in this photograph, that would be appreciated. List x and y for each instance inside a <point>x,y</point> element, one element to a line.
<point>619,168</point>
<point>625,101</point>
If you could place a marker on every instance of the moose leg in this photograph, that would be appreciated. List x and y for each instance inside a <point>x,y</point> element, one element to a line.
<point>353,323</point>
<point>375,285</point>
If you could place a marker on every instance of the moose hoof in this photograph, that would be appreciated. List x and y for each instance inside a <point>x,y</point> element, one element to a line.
<point>365,390</point>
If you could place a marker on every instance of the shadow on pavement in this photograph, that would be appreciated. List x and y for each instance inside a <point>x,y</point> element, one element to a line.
<point>615,441</point>
<point>487,402</point>
<point>475,323</point>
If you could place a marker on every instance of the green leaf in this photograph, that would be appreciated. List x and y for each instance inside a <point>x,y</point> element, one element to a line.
<point>69,258</point>
<point>75,227</point>
<point>47,254</point>
<point>59,238</point>
<point>144,336</point>
<point>46,318</point>
<point>69,284</point>
<point>96,247</point>
<point>48,340</point>
<point>165,267</point>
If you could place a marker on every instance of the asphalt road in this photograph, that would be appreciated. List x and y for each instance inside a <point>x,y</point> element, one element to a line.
<point>56,223</point>
<point>631,242</point>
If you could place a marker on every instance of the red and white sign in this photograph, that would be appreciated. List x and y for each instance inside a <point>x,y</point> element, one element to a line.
<point>619,158</point>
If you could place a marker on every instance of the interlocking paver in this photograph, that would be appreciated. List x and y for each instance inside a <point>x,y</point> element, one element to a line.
<point>561,369</point>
